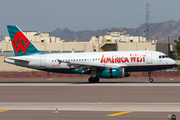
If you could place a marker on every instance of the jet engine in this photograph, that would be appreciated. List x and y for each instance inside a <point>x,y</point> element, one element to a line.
<point>113,73</point>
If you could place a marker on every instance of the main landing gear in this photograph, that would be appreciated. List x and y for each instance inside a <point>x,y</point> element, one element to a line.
<point>93,79</point>
<point>150,79</point>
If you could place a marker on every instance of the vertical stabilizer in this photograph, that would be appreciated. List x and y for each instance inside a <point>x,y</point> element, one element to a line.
<point>20,43</point>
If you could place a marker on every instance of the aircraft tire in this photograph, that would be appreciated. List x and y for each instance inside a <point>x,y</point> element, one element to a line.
<point>91,80</point>
<point>150,80</point>
<point>96,79</point>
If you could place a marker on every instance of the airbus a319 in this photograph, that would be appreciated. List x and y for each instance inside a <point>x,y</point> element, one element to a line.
<point>109,65</point>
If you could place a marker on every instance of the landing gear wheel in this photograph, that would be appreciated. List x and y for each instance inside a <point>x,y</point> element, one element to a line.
<point>96,79</point>
<point>93,80</point>
<point>150,80</point>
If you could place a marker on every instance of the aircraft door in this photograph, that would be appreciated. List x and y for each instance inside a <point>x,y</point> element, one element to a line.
<point>149,58</point>
<point>43,61</point>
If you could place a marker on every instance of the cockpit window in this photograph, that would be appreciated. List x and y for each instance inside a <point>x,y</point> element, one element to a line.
<point>163,56</point>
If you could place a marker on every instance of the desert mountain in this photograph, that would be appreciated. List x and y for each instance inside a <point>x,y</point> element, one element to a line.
<point>158,31</point>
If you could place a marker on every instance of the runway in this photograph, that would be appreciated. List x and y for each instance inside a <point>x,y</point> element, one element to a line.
<point>85,80</point>
<point>134,107</point>
<point>90,84</point>
<point>82,115</point>
<point>133,99</point>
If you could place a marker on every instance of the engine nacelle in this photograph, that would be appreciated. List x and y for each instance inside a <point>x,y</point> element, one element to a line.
<point>113,73</point>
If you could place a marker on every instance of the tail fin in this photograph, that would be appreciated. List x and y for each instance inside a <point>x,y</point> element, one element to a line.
<point>20,43</point>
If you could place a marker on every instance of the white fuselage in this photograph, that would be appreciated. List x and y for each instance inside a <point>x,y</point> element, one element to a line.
<point>130,60</point>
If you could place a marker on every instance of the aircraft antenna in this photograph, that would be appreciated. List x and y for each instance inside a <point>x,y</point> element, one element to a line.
<point>147,30</point>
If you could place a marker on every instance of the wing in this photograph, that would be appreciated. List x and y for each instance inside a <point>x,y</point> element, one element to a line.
<point>89,66</point>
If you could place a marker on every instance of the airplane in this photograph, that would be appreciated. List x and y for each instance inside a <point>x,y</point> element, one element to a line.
<point>117,64</point>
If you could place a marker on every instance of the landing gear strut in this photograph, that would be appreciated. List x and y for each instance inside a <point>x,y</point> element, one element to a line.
<point>93,79</point>
<point>150,79</point>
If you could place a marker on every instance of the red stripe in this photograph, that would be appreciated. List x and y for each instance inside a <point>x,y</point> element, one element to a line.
<point>120,66</point>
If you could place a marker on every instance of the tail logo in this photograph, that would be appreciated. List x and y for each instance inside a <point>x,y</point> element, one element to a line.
<point>20,42</point>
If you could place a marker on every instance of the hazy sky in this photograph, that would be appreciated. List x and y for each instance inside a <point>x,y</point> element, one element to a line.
<point>47,15</point>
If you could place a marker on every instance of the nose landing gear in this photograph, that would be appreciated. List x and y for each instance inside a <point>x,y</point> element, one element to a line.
<point>150,79</point>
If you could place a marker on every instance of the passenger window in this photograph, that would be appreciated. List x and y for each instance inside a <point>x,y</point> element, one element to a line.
<point>52,60</point>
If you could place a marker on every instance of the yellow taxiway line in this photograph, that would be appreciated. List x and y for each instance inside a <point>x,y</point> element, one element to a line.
<point>120,113</point>
<point>50,78</point>
<point>3,110</point>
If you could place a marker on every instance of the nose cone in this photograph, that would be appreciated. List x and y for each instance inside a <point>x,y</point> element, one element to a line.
<point>173,62</point>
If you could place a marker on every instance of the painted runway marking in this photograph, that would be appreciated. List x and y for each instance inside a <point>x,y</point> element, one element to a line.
<point>50,78</point>
<point>171,79</point>
<point>120,113</point>
<point>3,110</point>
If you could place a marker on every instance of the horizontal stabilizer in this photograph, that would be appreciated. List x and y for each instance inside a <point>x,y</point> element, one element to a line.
<point>19,59</point>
